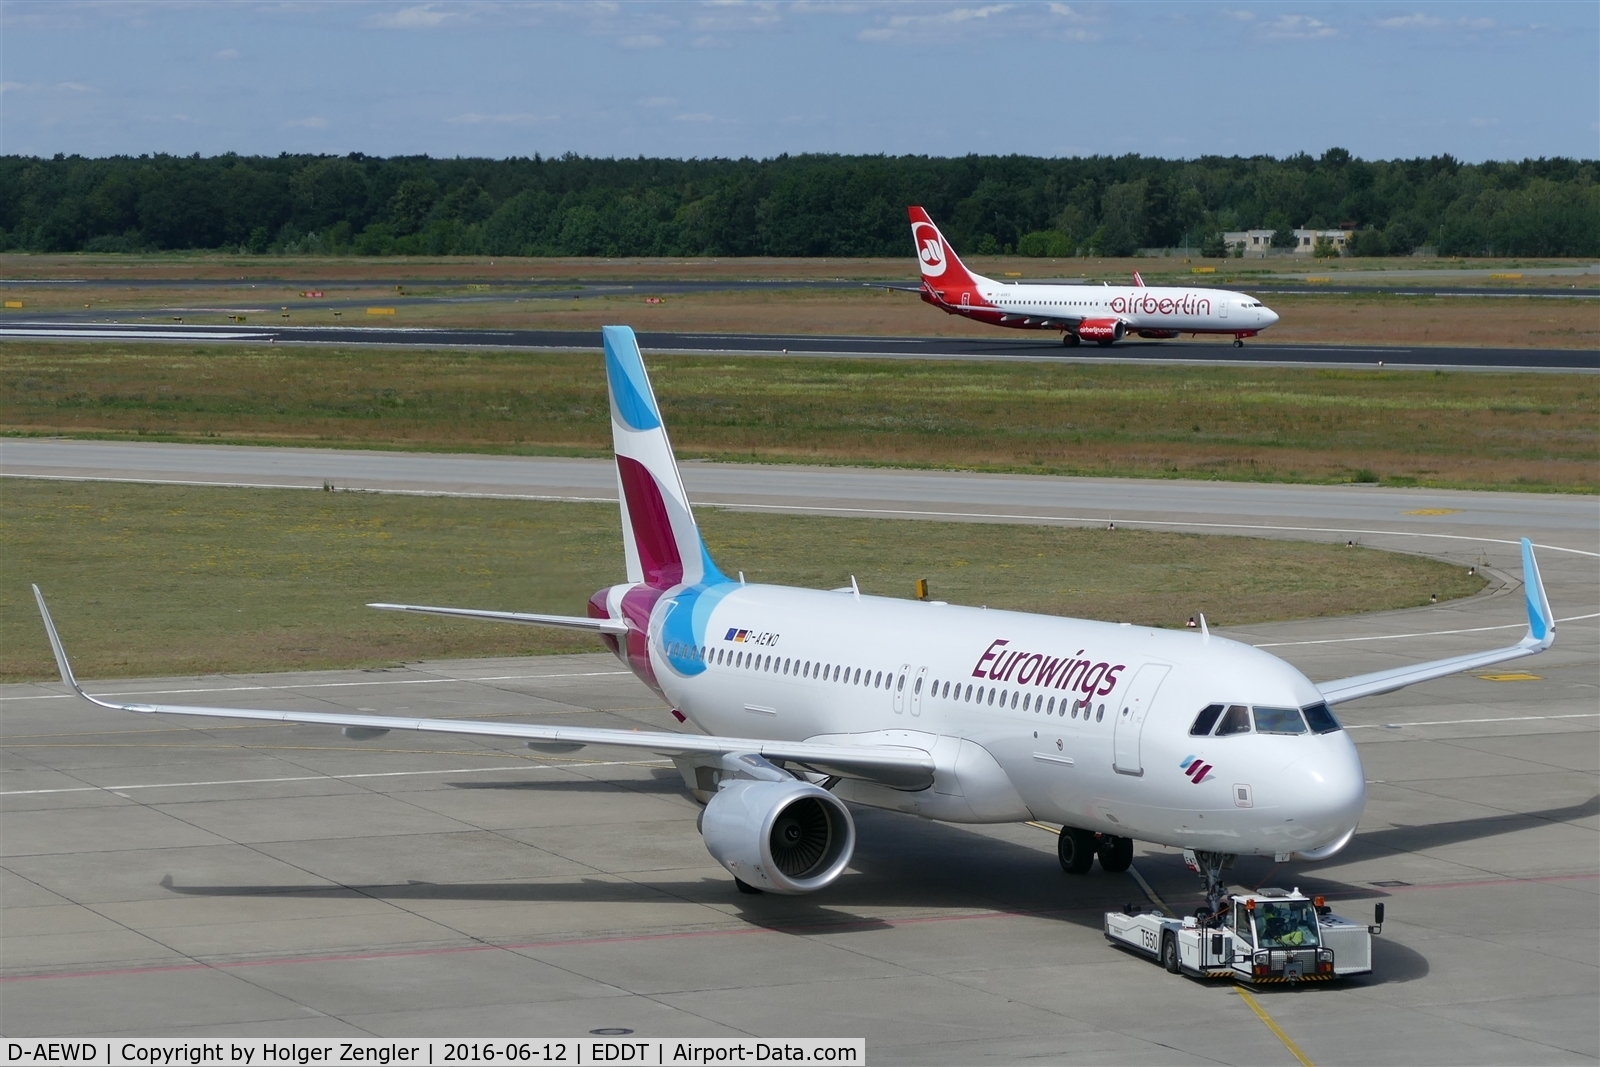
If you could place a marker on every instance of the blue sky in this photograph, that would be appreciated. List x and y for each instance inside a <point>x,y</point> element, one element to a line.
<point>1476,80</point>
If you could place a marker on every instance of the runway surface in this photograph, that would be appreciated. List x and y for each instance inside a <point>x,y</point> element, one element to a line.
<point>1014,347</point>
<point>187,879</point>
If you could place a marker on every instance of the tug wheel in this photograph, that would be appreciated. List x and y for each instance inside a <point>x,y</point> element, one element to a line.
<point>1169,954</point>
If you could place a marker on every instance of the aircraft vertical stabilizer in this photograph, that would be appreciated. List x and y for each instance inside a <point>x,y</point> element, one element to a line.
<point>659,534</point>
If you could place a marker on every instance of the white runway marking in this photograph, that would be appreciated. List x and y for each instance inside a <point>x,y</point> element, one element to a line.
<point>331,777</point>
<point>1469,722</point>
<point>819,510</point>
<point>1425,633</point>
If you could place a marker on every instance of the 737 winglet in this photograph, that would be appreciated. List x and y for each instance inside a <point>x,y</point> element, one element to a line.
<point>1540,636</point>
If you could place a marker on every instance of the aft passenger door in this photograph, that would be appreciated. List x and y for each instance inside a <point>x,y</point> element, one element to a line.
<point>1131,711</point>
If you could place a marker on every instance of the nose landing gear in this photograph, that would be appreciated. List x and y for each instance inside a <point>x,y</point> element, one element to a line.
<point>1209,866</point>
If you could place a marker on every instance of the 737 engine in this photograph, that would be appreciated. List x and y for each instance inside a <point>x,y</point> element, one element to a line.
<point>784,837</point>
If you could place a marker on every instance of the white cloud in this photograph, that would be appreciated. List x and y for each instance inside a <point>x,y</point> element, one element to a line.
<point>410,18</point>
<point>1298,28</point>
<point>694,116</point>
<point>314,122</point>
<point>226,53</point>
<point>45,87</point>
<point>904,25</point>
<point>642,40</point>
<point>1415,21</point>
<point>517,118</point>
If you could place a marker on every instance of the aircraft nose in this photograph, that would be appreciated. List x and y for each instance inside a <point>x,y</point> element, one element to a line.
<point>1332,787</point>
<point>1269,316</point>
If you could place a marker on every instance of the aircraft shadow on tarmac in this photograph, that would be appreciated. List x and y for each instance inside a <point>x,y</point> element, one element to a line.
<point>905,862</point>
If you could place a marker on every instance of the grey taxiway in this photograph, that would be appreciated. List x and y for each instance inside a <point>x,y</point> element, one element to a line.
<point>186,879</point>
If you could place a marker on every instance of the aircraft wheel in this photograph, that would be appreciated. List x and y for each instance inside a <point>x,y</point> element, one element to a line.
<point>1075,850</point>
<point>1104,344</point>
<point>1238,342</point>
<point>1070,339</point>
<point>1116,854</point>
<point>746,887</point>
<point>1169,954</point>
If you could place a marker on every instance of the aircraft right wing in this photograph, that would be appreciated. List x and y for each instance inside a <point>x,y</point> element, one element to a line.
<point>569,622</point>
<point>1540,636</point>
<point>899,767</point>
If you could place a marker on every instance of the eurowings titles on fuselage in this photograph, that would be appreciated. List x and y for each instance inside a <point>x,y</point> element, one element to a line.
<point>1103,314</point>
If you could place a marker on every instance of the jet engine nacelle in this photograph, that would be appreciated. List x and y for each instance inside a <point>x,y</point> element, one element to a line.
<point>784,837</point>
<point>1101,329</point>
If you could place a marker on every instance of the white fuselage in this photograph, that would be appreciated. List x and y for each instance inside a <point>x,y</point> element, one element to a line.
<point>1028,716</point>
<point>1140,307</point>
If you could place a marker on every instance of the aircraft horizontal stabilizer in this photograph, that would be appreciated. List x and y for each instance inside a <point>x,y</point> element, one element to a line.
<point>569,622</point>
<point>1540,636</point>
<point>895,766</point>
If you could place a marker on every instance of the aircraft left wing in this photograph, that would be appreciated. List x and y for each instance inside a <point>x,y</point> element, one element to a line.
<point>1540,636</point>
<point>899,767</point>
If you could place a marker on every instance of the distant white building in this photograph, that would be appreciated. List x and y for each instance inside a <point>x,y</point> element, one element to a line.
<point>1258,243</point>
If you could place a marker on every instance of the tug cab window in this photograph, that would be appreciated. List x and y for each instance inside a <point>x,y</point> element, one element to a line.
<point>1235,721</point>
<point>1205,720</point>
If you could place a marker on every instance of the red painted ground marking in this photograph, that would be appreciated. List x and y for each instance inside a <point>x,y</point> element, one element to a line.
<point>865,924</point>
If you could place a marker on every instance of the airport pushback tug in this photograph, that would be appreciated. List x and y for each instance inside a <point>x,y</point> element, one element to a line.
<point>1267,937</point>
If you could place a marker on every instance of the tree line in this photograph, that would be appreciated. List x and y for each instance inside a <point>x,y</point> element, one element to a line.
<point>804,205</point>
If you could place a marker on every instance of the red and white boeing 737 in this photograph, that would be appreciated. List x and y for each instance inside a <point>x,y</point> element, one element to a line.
<point>801,700</point>
<point>1104,314</point>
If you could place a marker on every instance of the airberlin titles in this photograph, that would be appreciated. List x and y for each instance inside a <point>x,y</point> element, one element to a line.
<point>1187,304</point>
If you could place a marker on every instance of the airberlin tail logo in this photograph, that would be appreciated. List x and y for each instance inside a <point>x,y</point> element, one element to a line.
<point>930,249</point>
<point>1197,769</point>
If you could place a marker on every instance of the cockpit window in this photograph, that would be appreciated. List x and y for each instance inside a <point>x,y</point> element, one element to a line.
<point>1205,721</point>
<point>1321,719</point>
<point>1279,721</point>
<point>1236,721</point>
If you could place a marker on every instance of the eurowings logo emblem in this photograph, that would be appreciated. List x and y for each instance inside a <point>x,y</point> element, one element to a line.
<point>930,250</point>
<point>1197,769</point>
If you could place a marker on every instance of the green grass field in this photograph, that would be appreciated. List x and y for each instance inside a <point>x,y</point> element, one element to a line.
<point>164,580</point>
<point>1460,430</point>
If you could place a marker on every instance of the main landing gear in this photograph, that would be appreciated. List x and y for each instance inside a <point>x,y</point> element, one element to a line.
<point>1077,849</point>
<point>1070,339</point>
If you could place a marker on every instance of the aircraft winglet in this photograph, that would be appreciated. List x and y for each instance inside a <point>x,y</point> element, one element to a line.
<point>55,644</point>
<point>1541,620</point>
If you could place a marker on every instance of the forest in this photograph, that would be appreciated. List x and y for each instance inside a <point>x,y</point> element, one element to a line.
<point>802,205</point>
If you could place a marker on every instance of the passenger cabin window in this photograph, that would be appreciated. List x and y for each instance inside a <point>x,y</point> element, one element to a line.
<point>1236,721</point>
<point>1205,720</point>
<point>1321,719</point>
<point>1279,721</point>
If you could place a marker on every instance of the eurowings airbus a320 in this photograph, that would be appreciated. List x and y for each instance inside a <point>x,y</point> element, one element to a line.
<point>1104,314</point>
<point>802,701</point>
